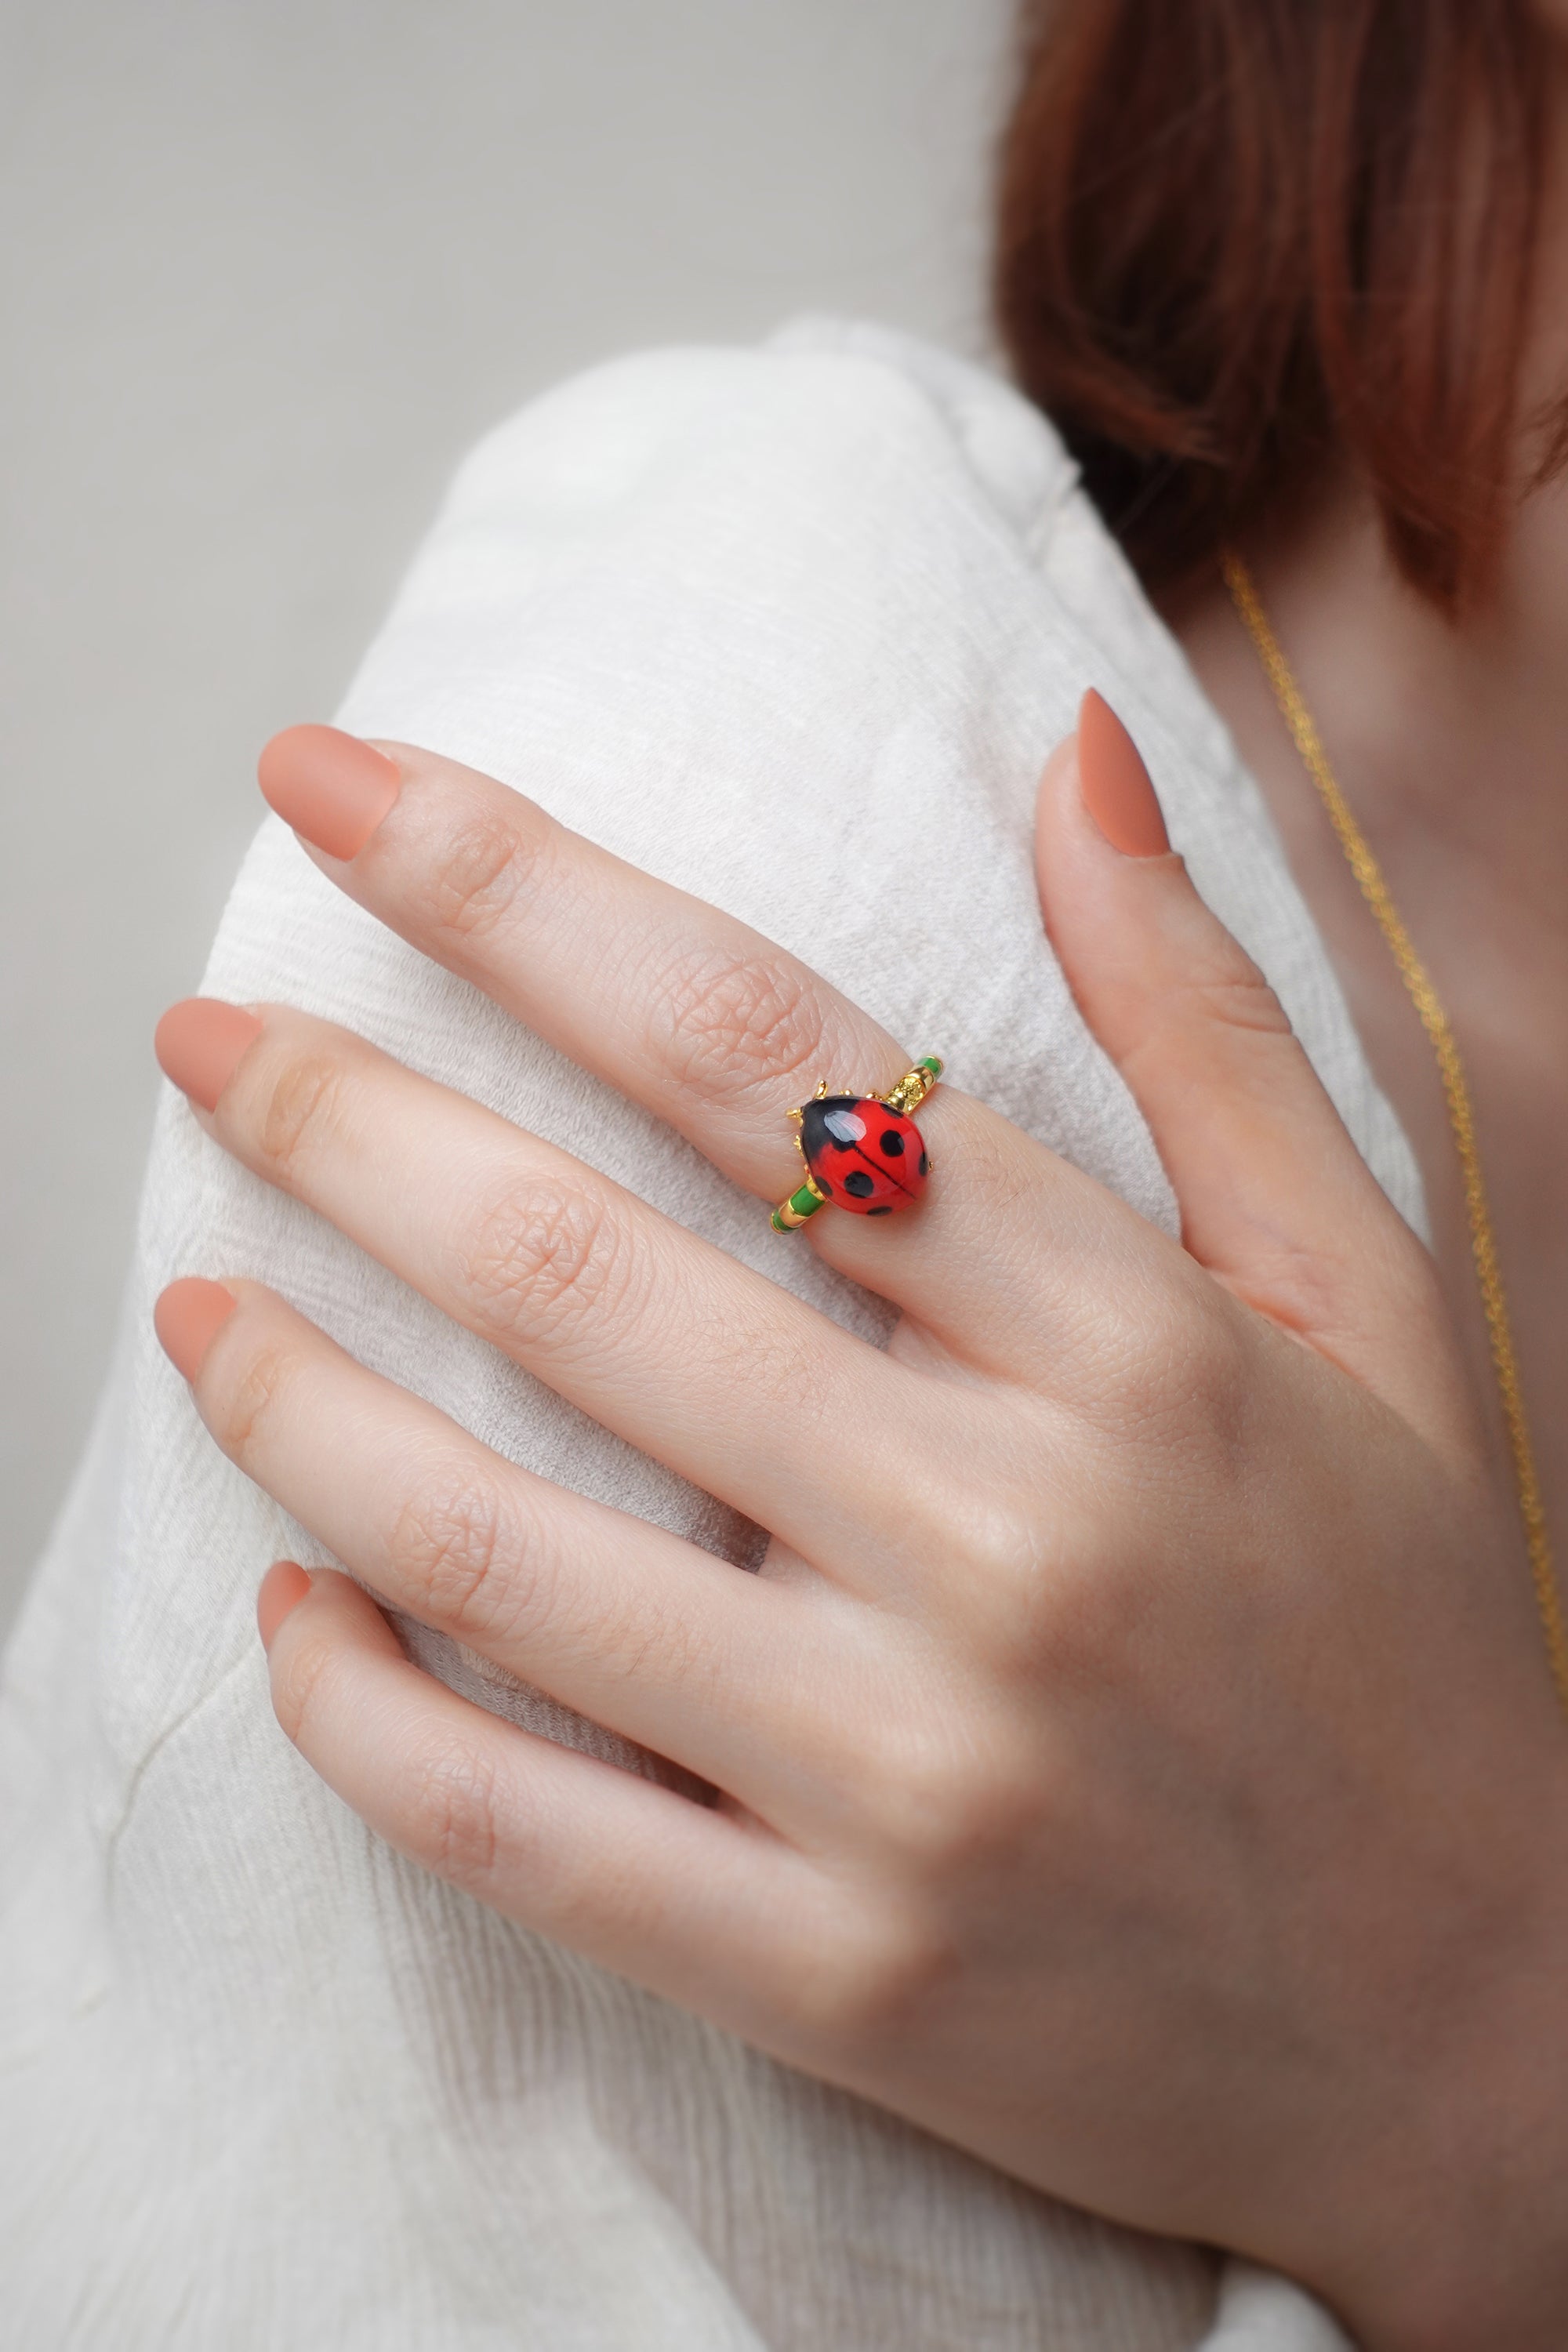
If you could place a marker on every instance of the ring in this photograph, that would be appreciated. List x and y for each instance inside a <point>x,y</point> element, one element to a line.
<point>862,1152</point>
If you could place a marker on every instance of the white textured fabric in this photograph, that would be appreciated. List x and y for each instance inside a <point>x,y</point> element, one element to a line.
<point>794,628</point>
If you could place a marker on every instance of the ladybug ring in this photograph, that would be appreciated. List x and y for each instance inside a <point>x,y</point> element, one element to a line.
<point>862,1152</point>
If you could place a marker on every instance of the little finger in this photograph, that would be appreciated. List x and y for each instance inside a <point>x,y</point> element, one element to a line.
<point>727,1674</point>
<point>704,1909</point>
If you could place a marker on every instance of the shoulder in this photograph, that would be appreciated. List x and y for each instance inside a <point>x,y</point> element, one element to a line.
<point>843,500</point>
<point>795,627</point>
<point>830,422</point>
<point>834,468</point>
<point>817,402</point>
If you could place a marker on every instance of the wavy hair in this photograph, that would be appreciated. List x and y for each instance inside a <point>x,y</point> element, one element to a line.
<point>1237,238</point>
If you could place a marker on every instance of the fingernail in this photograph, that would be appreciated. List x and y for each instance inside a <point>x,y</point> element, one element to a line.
<point>1115,784</point>
<point>283,1586</point>
<point>331,787</point>
<point>187,1319</point>
<point>198,1044</point>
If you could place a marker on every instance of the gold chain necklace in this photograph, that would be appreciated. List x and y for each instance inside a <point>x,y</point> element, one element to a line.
<point>1429,1005</point>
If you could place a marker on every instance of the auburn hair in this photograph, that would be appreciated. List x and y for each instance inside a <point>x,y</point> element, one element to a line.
<point>1237,238</point>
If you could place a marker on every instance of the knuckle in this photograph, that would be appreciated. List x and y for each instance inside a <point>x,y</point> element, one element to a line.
<point>302,1105</point>
<point>1087,1624</point>
<point>1001,1538</point>
<point>304,1687</point>
<point>1187,1366</point>
<point>992,1546</point>
<point>640,1630</point>
<point>478,1575</point>
<point>1226,987</point>
<point>1041,1573</point>
<point>954,1803</point>
<point>1037,1588</point>
<point>478,873</point>
<point>946,1783</point>
<point>1211,1368</point>
<point>454,1811</point>
<point>1305,1286</point>
<point>540,1258</point>
<point>877,1981</point>
<point>725,1022</point>
<point>248,1401</point>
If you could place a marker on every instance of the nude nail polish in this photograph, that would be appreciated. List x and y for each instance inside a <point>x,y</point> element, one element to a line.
<point>188,1317</point>
<point>332,788</point>
<point>283,1586</point>
<point>1115,785</point>
<point>199,1043</point>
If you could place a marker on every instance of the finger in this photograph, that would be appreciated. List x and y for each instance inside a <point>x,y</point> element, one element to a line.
<point>702,1908</point>
<point>725,1673</point>
<point>711,1027</point>
<point>677,1004</point>
<point>1275,1199</point>
<point>663,1337</point>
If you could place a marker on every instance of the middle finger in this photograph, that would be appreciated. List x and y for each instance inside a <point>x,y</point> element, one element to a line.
<point>660,1336</point>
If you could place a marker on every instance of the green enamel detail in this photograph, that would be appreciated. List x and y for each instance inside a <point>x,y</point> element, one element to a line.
<point>804,1203</point>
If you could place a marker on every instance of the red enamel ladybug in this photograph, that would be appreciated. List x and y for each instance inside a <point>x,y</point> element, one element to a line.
<point>864,1155</point>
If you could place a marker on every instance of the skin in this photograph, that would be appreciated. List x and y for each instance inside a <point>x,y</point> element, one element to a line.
<point>1135,1820</point>
<point>1092,1783</point>
<point>1449,742</point>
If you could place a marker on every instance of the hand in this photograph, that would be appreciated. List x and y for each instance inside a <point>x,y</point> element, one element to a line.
<point>1135,1761</point>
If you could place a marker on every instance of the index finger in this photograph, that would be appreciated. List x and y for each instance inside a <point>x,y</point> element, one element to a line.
<point>713,1028</point>
<point>1276,1200</point>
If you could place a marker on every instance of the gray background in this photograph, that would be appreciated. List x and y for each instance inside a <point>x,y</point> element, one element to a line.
<point>265,270</point>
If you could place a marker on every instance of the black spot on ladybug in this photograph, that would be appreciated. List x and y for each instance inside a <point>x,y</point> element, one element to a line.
<point>861,1152</point>
<point>925,1165</point>
<point>885,1210</point>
